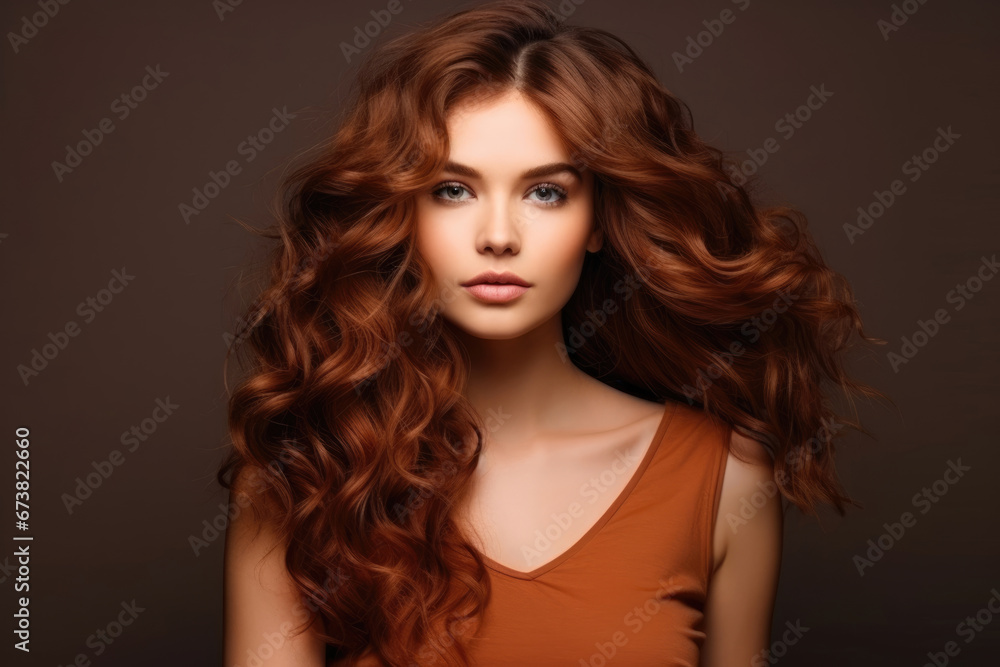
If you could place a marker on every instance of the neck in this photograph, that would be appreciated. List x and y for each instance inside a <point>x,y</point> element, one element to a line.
<point>526,385</point>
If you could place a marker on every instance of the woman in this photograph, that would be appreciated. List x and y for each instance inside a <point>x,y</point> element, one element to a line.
<point>532,374</point>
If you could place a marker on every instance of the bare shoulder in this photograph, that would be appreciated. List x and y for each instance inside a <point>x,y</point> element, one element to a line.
<point>747,544</point>
<point>750,503</point>
<point>260,598</point>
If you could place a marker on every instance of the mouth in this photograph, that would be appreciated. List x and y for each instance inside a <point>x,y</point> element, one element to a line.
<point>493,287</point>
<point>494,278</point>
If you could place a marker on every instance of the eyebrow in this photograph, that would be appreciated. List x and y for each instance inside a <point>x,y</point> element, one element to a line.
<point>534,172</point>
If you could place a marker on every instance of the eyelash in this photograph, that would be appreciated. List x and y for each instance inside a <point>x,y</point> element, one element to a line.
<point>547,186</point>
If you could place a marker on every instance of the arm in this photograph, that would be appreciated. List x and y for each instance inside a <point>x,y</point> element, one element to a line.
<point>744,584</point>
<point>260,604</point>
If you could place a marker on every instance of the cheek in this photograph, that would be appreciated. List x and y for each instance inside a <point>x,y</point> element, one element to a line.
<point>564,252</point>
<point>435,245</point>
<point>566,240</point>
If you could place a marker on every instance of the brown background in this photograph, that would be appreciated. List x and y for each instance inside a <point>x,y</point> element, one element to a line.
<point>163,335</point>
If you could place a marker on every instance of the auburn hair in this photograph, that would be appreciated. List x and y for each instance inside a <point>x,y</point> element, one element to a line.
<point>350,431</point>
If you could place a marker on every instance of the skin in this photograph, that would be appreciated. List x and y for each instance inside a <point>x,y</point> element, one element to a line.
<point>557,425</point>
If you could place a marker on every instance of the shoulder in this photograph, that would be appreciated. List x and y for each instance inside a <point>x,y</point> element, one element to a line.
<point>749,517</point>
<point>749,505</point>
<point>748,536</point>
<point>261,598</point>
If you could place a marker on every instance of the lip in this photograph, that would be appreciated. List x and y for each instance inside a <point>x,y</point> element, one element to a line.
<point>492,277</point>
<point>495,292</point>
<point>493,287</point>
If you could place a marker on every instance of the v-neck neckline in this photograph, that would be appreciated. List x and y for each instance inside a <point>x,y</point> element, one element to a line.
<point>670,408</point>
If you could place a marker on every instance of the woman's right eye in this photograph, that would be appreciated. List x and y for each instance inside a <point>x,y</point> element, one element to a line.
<point>450,190</point>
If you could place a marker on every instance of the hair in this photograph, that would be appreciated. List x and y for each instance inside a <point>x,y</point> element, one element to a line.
<point>351,419</point>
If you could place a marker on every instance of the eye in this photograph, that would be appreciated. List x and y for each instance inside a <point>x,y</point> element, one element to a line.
<point>449,189</point>
<point>549,193</point>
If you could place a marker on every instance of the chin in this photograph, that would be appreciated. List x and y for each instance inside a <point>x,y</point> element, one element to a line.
<point>500,326</point>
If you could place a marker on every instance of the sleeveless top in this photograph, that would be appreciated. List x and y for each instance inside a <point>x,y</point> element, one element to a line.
<point>632,590</point>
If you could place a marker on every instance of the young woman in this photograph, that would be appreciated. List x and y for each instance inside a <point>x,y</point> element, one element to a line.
<point>532,377</point>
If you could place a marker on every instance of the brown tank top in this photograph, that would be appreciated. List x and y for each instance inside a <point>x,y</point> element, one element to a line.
<point>632,590</point>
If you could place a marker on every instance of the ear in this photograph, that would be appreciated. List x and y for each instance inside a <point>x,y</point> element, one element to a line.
<point>596,240</point>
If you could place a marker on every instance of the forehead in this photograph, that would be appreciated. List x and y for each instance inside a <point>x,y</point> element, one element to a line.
<point>504,130</point>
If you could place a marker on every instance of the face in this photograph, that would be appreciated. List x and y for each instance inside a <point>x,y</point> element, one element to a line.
<point>509,201</point>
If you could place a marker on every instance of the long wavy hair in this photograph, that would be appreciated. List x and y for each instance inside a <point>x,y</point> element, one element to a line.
<point>350,432</point>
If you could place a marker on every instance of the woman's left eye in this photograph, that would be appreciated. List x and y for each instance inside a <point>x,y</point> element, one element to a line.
<point>549,192</point>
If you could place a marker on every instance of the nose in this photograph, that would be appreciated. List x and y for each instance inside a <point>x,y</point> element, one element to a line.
<point>500,229</point>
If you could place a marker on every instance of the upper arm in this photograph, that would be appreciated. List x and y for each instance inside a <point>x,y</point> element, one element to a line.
<point>261,604</point>
<point>743,587</point>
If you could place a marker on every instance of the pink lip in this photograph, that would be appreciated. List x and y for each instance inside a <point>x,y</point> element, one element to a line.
<point>493,277</point>
<point>493,287</point>
<point>496,292</point>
